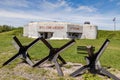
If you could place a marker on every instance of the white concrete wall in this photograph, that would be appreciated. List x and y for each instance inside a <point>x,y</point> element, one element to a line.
<point>89,31</point>
<point>25,30</point>
<point>74,28</point>
<point>32,28</point>
<point>60,34</point>
<point>60,30</point>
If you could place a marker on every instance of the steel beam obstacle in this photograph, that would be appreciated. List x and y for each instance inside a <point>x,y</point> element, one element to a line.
<point>22,51</point>
<point>93,64</point>
<point>54,55</point>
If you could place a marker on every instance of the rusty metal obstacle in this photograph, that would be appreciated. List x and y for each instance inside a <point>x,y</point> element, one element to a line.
<point>93,63</point>
<point>22,51</point>
<point>54,54</point>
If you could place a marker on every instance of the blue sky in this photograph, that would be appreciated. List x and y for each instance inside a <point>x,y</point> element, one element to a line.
<point>98,12</point>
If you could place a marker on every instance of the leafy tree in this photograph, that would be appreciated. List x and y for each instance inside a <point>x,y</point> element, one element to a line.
<point>4,28</point>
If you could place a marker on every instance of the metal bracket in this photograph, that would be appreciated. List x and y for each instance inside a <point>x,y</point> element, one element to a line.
<point>54,54</point>
<point>22,52</point>
<point>93,64</point>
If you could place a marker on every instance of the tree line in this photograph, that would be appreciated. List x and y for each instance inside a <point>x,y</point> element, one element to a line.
<point>4,28</point>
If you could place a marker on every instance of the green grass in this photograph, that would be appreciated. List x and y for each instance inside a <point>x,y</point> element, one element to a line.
<point>110,58</point>
<point>108,34</point>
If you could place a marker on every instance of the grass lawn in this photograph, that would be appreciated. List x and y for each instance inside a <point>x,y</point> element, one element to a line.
<point>110,58</point>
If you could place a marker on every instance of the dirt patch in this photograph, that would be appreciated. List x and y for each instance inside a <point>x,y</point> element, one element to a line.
<point>23,71</point>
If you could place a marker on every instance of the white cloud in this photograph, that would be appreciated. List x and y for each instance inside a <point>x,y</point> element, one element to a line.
<point>118,3</point>
<point>64,6</point>
<point>21,15</point>
<point>86,8</point>
<point>9,14</point>
<point>97,20</point>
<point>58,5</point>
<point>111,0</point>
<point>60,10</point>
<point>17,3</point>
